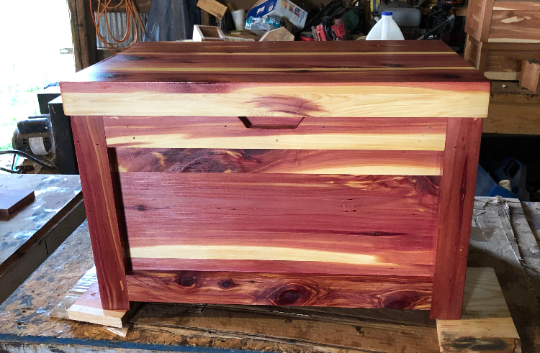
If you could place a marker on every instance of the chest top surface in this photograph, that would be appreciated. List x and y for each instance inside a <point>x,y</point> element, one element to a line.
<point>279,78</point>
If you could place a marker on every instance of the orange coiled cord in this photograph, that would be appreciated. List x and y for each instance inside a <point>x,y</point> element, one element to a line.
<point>132,16</point>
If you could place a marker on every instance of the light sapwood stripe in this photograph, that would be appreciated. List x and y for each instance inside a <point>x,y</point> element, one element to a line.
<point>239,252</point>
<point>281,100</point>
<point>376,170</point>
<point>418,142</point>
<point>290,53</point>
<point>254,69</point>
<point>513,40</point>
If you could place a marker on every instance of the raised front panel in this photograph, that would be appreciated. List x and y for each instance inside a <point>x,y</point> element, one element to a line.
<point>425,134</point>
<point>288,223</point>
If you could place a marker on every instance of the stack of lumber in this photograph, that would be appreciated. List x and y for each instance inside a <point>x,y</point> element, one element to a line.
<point>500,35</point>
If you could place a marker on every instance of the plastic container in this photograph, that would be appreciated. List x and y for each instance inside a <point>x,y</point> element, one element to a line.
<point>385,29</point>
<point>239,18</point>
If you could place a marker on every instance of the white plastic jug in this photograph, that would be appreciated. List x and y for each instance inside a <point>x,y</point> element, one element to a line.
<point>385,29</point>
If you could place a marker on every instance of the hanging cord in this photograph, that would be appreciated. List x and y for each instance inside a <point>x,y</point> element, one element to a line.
<point>132,18</point>
<point>42,163</point>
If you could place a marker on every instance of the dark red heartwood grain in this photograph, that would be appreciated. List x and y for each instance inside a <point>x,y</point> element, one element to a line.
<point>343,214</point>
<point>456,204</point>
<point>101,210</point>
<point>203,160</point>
<point>281,289</point>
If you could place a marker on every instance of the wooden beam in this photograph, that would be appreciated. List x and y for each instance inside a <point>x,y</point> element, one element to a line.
<point>456,202</point>
<point>530,75</point>
<point>83,34</point>
<point>102,209</point>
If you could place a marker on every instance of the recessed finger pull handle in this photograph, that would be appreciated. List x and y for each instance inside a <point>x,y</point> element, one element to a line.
<point>271,122</point>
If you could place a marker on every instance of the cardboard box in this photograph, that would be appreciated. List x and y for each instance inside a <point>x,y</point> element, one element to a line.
<point>280,8</point>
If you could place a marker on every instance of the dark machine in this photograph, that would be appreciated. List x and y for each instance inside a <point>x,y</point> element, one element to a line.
<point>45,140</point>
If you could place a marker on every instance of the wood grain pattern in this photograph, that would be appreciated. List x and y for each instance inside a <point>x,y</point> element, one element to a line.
<point>518,25</point>
<point>281,222</point>
<point>276,79</point>
<point>479,13</point>
<point>280,289</point>
<point>486,320</point>
<point>311,133</point>
<point>530,75</point>
<point>101,210</point>
<point>174,160</point>
<point>456,202</point>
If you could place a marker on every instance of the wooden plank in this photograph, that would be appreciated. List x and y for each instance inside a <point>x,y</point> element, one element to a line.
<point>88,308</point>
<point>479,13</point>
<point>210,219</point>
<point>512,118</point>
<point>516,25</point>
<point>12,201</point>
<point>456,202</point>
<point>244,80</point>
<point>285,100</point>
<point>172,160</point>
<point>530,75</point>
<point>280,289</point>
<point>312,133</point>
<point>486,323</point>
<point>280,34</point>
<point>101,210</point>
<point>512,110</point>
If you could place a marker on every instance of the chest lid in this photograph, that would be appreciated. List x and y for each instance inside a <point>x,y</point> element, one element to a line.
<point>324,79</point>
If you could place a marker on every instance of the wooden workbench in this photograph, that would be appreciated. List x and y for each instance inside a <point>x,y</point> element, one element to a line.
<point>501,238</point>
<point>33,233</point>
<point>513,110</point>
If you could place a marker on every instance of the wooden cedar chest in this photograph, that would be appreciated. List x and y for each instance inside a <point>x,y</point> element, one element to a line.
<point>280,173</point>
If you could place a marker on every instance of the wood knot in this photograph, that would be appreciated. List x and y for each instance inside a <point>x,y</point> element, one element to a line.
<point>227,284</point>
<point>186,281</point>
<point>292,294</point>
<point>140,208</point>
<point>402,300</point>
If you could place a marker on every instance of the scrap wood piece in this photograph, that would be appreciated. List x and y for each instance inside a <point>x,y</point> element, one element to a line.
<point>212,7</point>
<point>277,35</point>
<point>88,309</point>
<point>13,200</point>
<point>530,75</point>
<point>486,323</point>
